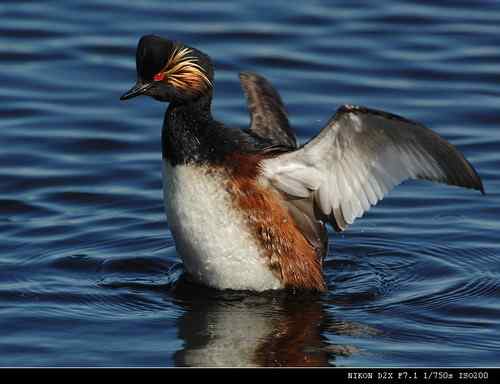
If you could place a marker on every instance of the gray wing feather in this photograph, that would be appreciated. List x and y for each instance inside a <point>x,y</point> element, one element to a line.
<point>302,211</point>
<point>359,157</point>
<point>268,114</point>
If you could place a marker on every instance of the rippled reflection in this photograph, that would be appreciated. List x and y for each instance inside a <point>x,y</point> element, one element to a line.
<point>242,329</point>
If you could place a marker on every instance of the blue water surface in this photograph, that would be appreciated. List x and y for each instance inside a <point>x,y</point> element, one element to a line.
<point>89,275</point>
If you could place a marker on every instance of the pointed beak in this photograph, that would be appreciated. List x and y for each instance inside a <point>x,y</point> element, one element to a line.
<point>138,89</point>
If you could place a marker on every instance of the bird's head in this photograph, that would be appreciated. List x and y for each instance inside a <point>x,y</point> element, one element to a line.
<point>170,71</point>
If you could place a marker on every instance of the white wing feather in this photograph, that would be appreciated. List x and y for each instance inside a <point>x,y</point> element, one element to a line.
<point>359,157</point>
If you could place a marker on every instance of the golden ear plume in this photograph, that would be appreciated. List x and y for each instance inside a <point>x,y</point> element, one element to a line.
<point>183,71</point>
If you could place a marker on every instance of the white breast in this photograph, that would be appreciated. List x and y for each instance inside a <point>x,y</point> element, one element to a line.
<point>210,235</point>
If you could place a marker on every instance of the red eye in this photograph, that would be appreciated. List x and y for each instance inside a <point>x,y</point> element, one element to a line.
<point>159,76</point>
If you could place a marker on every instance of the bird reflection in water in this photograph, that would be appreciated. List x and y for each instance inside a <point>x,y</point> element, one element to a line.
<point>235,329</point>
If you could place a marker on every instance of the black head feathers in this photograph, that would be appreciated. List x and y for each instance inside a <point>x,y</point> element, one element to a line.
<point>170,71</point>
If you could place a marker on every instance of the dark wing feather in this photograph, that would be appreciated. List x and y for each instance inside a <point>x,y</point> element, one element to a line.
<point>359,157</point>
<point>268,114</point>
<point>302,211</point>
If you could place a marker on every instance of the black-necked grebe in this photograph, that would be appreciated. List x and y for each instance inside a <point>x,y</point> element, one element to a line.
<point>247,208</point>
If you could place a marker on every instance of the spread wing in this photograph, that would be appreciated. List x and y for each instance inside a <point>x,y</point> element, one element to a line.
<point>359,157</point>
<point>268,114</point>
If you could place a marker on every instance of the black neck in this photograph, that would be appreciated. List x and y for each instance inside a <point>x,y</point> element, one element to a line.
<point>190,135</point>
<point>186,131</point>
